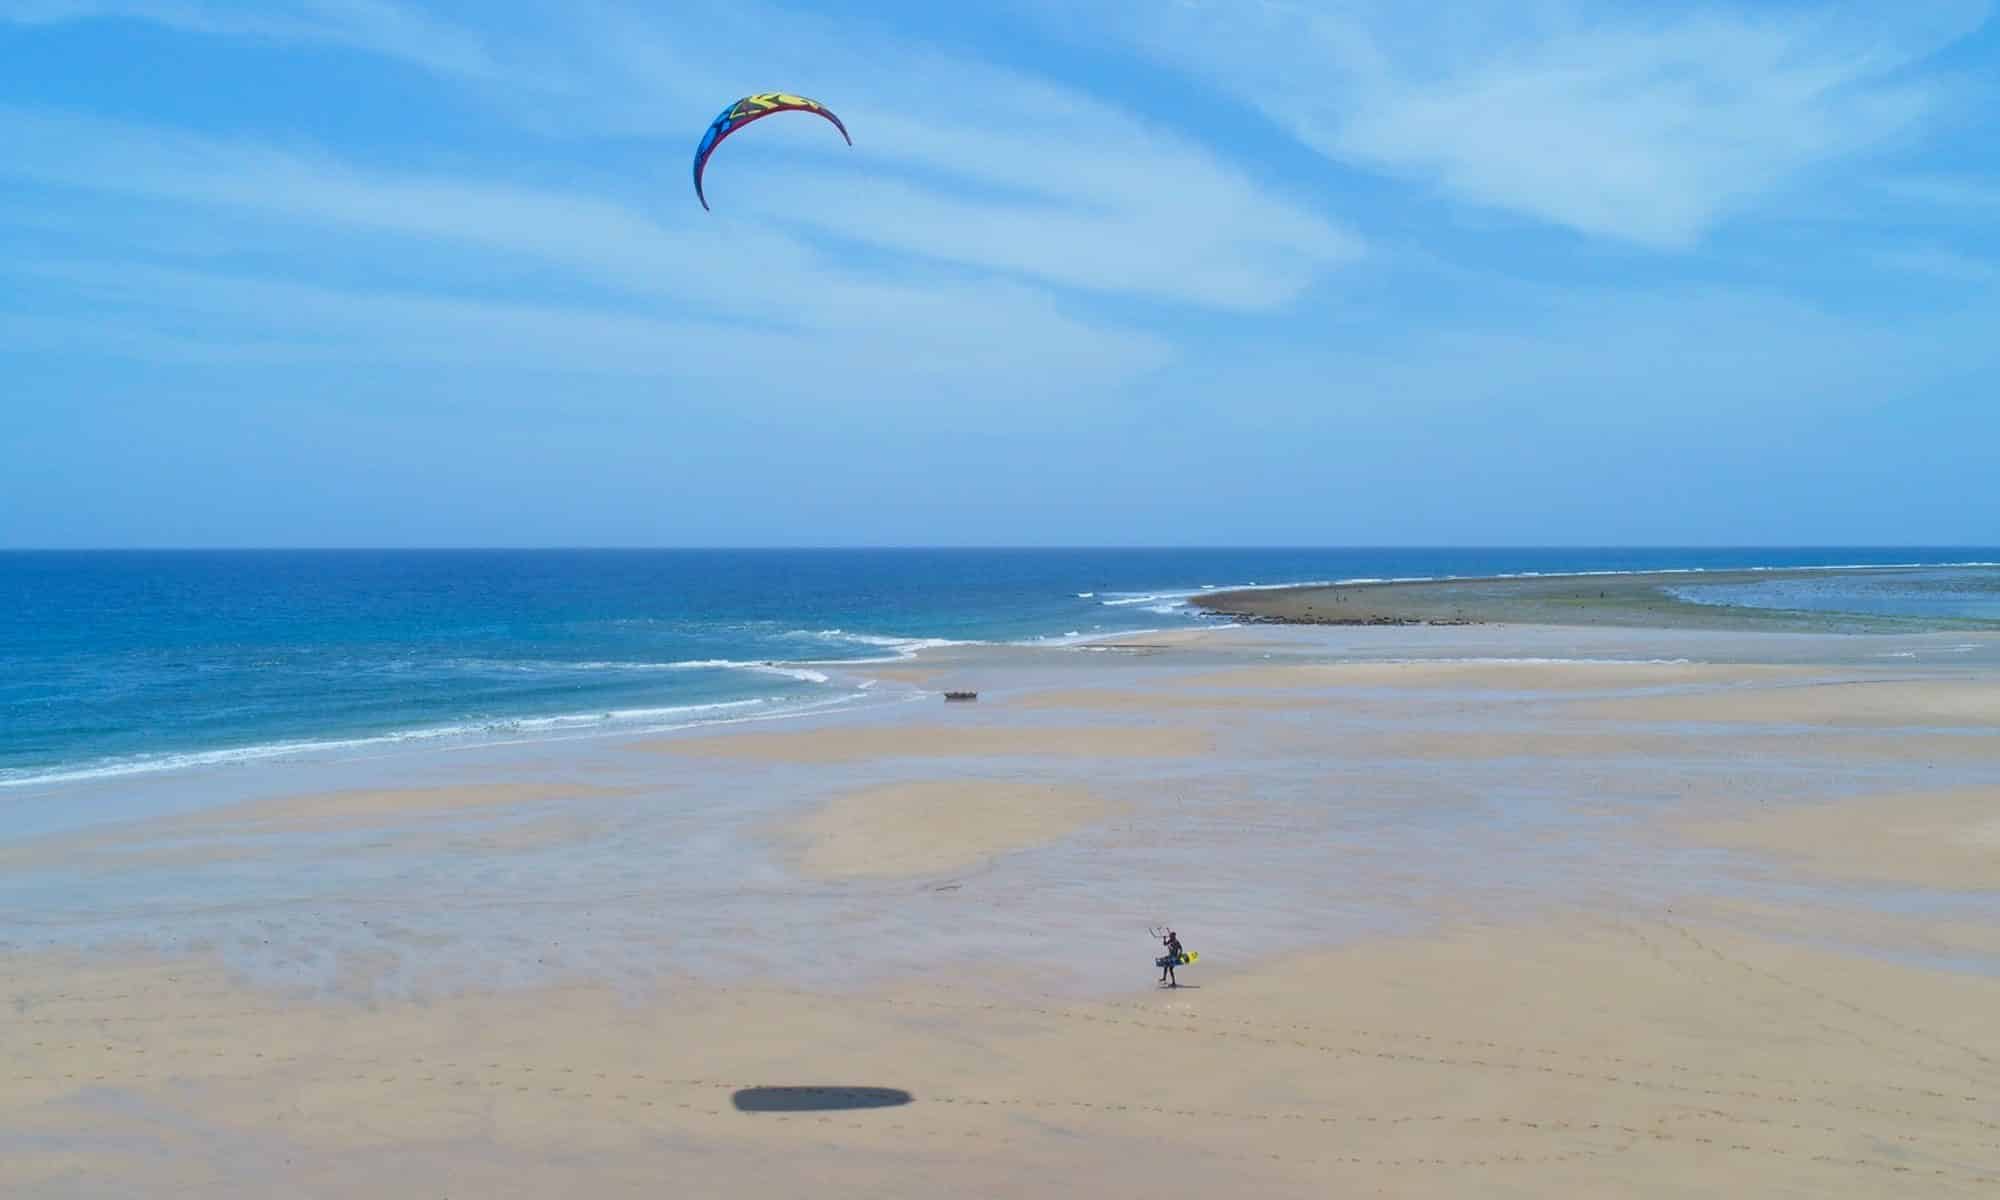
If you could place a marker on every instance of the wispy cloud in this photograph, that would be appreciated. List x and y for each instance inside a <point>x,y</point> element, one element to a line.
<point>954,160</point>
<point>1047,183</point>
<point>1013,174</point>
<point>1638,123</point>
<point>188,316</point>
<point>1946,191</point>
<point>688,299</point>
<point>207,313</point>
<point>373,26</point>
<point>585,234</point>
<point>1937,263</point>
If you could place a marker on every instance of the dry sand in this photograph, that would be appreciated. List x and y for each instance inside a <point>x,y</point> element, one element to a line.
<point>1925,939</point>
<point>1601,1058</point>
<point>934,826</point>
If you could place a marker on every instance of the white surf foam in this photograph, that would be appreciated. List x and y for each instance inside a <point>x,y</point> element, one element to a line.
<point>899,648</point>
<point>760,666</point>
<point>763,667</point>
<point>496,730</point>
<point>1168,602</point>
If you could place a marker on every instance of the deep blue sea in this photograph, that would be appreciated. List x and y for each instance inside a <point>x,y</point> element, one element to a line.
<point>122,662</point>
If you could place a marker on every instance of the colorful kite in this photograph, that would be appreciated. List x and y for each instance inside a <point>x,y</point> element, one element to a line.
<point>746,110</point>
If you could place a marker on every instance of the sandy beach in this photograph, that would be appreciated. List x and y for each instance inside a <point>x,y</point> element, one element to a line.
<point>1482,911</point>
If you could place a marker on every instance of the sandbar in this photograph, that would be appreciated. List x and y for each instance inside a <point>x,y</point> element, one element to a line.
<point>1628,601</point>
<point>938,741</point>
<point>1858,703</point>
<point>1526,675</point>
<point>938,825</point>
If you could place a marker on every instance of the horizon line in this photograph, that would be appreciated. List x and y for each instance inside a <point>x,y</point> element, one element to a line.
<point>989,546</point>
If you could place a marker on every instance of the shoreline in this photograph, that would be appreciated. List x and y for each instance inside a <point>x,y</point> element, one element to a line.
<point>1430,600</point>
<point>558,727</point>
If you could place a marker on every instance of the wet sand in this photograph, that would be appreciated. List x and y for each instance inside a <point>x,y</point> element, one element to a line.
<point>936,825</point>
<point>1468,927</point>
<point>966,740</point>
<point>1947,839</point>
<point>1497,675</point>
<point>1877,702</point>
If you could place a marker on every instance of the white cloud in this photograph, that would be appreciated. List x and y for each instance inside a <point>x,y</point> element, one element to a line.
<point>1040,181</point>
<point>1642,124</point>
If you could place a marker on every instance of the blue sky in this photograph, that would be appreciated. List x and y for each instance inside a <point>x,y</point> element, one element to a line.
<point>369,272</point>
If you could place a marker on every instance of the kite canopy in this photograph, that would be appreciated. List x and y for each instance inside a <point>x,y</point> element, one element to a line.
<point>746,110</point>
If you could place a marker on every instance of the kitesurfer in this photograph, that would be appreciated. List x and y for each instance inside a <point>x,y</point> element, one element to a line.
<point>1171,959</point>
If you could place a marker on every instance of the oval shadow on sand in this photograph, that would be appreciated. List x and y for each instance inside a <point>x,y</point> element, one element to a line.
<point>817,1099</point>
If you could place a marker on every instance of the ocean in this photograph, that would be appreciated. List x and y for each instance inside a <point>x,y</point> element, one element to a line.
<point>116,663</point>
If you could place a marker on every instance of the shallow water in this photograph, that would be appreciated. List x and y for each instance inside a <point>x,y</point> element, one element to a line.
<point>1956,594</point>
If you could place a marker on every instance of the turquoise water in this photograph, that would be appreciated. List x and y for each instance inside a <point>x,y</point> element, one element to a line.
<point>116,663</point>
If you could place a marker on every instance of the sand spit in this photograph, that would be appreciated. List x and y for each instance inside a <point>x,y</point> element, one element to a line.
<point>1639,601</point>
